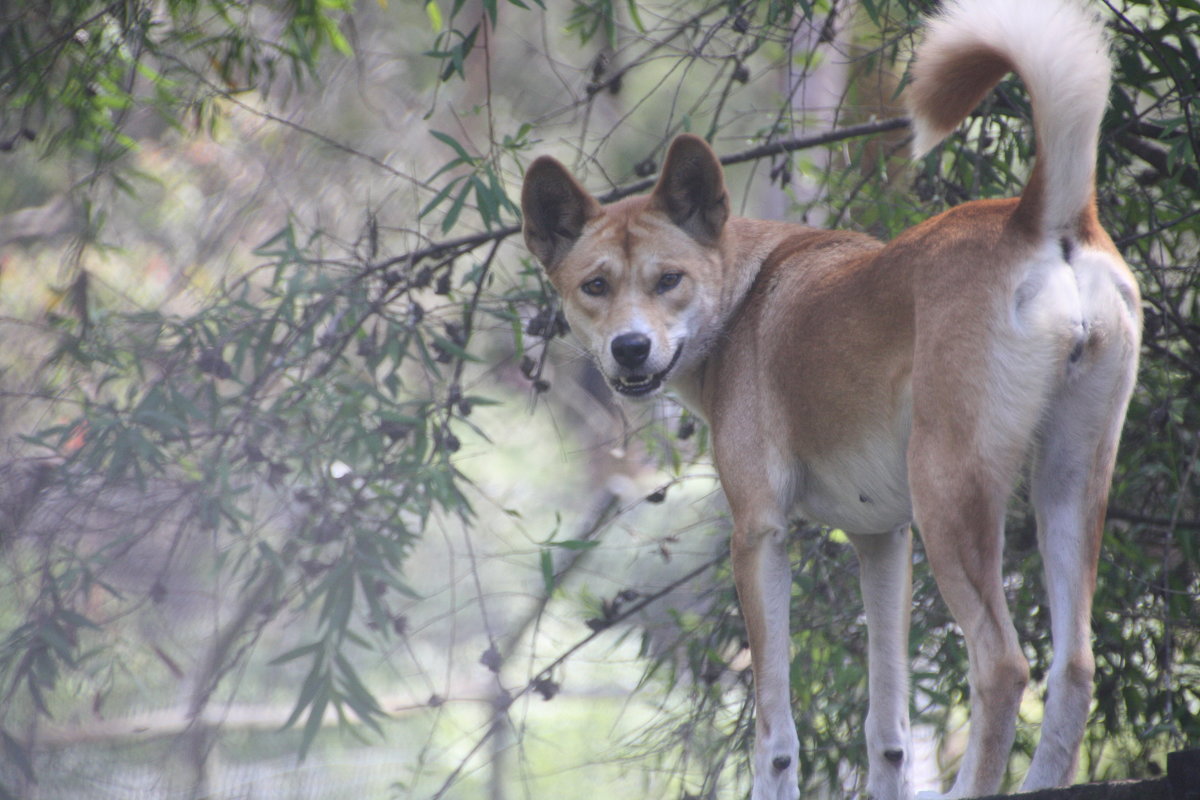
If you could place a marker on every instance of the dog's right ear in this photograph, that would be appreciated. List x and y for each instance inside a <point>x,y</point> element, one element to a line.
<point>555,208</point>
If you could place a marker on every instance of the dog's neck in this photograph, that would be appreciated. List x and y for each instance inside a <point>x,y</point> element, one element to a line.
<point>745,245</point>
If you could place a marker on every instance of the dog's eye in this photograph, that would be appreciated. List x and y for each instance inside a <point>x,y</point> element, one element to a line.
<point>596,287</point>
<point>668,282</point>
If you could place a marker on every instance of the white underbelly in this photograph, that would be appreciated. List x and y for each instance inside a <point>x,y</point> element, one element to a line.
<point>861,490</point>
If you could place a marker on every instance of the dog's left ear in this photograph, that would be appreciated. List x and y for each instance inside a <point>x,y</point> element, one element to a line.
<point>691,189</point>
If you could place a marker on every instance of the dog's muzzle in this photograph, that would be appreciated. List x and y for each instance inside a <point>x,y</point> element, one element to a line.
<point>630,351</point>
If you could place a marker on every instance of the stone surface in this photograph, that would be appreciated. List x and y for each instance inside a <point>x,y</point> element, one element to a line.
<point>1181,783</point>
<point>1157,789</point>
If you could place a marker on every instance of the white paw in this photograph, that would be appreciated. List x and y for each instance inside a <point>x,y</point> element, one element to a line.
<point>775,778</point>
<point>928,794</point>
<point>775,791</point>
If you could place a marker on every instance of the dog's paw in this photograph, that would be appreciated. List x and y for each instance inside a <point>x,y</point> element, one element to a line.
<point>776,776</point>
<point>770,788</point>
<point>889,787</point>
<point>929,794</point>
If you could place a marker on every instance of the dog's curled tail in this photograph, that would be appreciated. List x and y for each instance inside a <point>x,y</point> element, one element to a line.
<point>1060,53</point>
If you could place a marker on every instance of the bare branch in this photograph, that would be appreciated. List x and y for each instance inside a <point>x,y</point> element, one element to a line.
<point>471,241</point>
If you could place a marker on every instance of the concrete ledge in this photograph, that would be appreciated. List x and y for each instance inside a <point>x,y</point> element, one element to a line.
<point>1157,789</point>
<point>1181,783</point>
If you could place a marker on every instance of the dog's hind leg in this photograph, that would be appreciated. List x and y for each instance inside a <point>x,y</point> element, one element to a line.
<point>1071,475</point>
<point>959,509</point>
<point>885,574</point>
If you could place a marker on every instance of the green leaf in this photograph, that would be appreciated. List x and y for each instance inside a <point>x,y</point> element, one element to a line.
<point>357,696</point>
<point>455,209</point>
<point>434,13</point>
<point>454,144</point>
<point>317,676</point>
<point>455,350</point>
<point>295,653</point>
<point>316,717</point>
<point>439,197</point>
<point>632,6</point>
<point>576,544</point>
<point>547,565</point>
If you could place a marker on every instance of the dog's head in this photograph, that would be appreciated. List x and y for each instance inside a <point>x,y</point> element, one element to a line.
<point>641,279</point>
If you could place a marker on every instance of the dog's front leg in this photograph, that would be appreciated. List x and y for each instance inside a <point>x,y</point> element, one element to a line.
<point>763,577</point>
<point>885,574</point>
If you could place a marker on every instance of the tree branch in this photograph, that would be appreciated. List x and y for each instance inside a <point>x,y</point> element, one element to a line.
<point>779,147</point>
<point>1160,161</point>
<point>1157,522</point>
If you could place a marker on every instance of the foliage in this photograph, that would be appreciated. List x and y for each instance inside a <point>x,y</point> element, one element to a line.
<point>73,72</point>
<point>305,417</point>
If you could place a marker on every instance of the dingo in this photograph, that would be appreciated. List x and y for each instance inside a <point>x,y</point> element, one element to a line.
<point>872,385</point>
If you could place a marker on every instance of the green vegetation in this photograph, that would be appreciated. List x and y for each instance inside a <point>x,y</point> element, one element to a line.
<point>291,437</point>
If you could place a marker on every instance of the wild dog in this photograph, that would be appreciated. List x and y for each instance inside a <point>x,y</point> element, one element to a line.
<point>868,386</point>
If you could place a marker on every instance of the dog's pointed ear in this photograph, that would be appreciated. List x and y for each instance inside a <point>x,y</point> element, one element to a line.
<point>555,208</point>
<point>691,189</point>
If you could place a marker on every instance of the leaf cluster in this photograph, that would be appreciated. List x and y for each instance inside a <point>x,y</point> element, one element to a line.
<point>72,74</point>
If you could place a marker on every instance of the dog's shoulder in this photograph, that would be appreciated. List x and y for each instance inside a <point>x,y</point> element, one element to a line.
<point>808,264</point>
<point>815,247</point>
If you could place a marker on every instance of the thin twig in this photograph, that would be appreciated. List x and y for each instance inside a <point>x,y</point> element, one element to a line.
<point>474,240</point>
<point>566,654</point>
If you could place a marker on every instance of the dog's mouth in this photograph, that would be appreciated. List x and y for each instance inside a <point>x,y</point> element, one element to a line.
<point>643,385</point>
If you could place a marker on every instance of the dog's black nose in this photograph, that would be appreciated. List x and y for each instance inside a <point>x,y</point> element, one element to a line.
<point>630,349</point>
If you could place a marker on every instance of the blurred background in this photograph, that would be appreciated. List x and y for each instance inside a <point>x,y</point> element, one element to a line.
<point>305,490</point>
